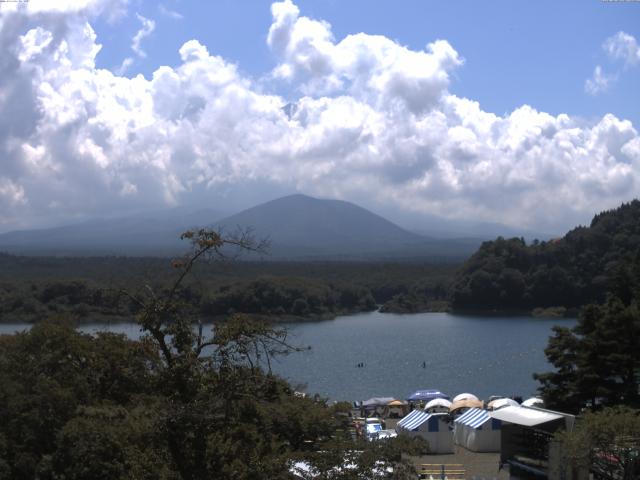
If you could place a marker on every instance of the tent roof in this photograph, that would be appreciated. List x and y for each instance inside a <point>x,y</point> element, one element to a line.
<point>438,402</point>
<point>426,395</point>
<point>396,403</point>
<point>413,420</point>
<point>465,396</point>
<point>473,418</point>
<point>528,417</point>
<point>502,402</point>
<point>466,404</point>
<point>377,401</point>
<point>530,402</point>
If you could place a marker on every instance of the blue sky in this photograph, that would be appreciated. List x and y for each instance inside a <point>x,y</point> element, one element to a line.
<point>519,113</point>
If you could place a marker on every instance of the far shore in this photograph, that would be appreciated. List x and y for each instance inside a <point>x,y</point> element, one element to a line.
<point>559,313</point>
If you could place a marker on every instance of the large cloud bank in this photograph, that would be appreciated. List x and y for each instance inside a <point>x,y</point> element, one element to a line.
<point>373,122</point>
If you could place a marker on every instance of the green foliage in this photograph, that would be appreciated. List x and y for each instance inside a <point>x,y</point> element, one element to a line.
<point>571,272</point>
<point>89,289</point>
<point>111,442</point>
<point>181,403</point>
<point>49,373</point>
<point>606,443</point>
<point>428,295</point>
<point>598,361</point>
<point>289,296</point>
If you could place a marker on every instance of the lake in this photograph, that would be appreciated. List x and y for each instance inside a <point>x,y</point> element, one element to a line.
<point>482,355</point>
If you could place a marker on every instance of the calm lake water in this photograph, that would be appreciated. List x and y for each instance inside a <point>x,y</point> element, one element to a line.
<point>482,355</point>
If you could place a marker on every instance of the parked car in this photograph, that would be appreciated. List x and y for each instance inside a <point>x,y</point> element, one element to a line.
<point>372,430</point>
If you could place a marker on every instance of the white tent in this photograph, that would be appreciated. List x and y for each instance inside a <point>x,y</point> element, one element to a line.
<point>532,416</point>
<point>464,396</point>
<point>502,402</point>
<point>438,405</point>
<point>475,430</point>
<point>533,402</point>
<point>433,427</point>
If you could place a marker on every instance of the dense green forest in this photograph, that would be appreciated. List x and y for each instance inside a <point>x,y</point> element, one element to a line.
<point>89,288</point>
<point>567,272</point>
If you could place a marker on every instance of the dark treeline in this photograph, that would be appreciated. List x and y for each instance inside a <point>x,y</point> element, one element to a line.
<point>89,288</point>
<point>568,272</point>
<point>597,362</point>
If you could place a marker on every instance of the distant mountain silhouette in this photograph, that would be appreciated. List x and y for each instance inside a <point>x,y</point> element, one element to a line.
<point>156,233</point>
<point>303,226</point>
<point>298,227</point>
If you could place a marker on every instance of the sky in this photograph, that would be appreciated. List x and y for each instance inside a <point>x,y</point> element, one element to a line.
<point>514,112</point>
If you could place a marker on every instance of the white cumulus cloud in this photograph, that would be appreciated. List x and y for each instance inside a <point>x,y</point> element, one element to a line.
<point>373,122</point>
<point>371,68</point>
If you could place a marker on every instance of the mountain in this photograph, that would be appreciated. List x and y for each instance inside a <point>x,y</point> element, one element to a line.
<point>302,226</point>
<point>298,227</point>
<point>156,233</point>
<point>571,271</point>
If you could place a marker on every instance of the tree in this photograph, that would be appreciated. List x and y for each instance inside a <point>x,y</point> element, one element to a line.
<point>606,443</point>
<point>598,361</point>
<point>177,404</point>
<point>52,372</point>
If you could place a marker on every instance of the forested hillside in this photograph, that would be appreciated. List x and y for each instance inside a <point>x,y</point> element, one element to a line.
<point>570,272</point>
<point>32,288</point>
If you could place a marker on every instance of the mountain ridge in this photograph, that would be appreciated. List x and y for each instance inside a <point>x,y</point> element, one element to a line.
<point>299,227</point>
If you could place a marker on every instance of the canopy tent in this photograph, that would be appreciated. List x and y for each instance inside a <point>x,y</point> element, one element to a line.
<point>438,405</point>
<point>502,402</point>
<point>397,408</point>
<point>459,404</point>
<point>414,419</point>
<point>475,430</point>
<point>465,396</point>
<point>433,427</point>
<point>375,406</point>
<point>426,395</point>
<point>533,402</point>
<point>526,416</point>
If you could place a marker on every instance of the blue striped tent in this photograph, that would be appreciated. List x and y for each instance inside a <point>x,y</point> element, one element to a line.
<point>433,427</point>
<point>412,421</point>
<point>477,431</point>
<point>474,418</point>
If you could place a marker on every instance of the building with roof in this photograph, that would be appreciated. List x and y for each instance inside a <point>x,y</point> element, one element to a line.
<point>526,441</point>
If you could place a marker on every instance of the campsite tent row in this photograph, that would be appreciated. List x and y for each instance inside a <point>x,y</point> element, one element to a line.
<point>477,430</point>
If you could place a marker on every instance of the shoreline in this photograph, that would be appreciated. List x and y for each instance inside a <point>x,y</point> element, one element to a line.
<point>559,313</point>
